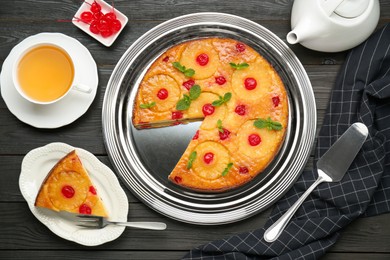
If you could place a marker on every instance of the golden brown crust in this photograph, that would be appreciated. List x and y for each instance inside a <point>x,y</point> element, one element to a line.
<point>235,160</point>
<point>67,187</point>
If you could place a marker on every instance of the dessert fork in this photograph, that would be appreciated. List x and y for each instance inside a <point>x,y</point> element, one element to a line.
<point>97,222</point>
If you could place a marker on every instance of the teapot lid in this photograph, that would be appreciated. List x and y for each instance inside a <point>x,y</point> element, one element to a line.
<point>351,8</point>
<point>345,8</point>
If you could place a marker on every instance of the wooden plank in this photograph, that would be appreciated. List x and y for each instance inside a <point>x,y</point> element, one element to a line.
<point>91,254</point>
<point>356,256</point>
<point>109,56</point>
<point>21,231</point>
<point>149,10</point>
<point>149,255</point>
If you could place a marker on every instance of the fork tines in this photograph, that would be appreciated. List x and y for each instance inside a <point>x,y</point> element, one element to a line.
<point>89,221</point>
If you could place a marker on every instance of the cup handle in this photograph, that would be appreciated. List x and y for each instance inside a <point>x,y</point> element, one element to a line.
<point>82,88</point>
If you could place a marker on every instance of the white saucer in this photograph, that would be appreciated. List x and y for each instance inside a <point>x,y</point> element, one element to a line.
<point>67,109</point>
<point>37,164</point>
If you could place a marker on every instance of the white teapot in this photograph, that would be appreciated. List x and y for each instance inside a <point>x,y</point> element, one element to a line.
<point>332,25</point>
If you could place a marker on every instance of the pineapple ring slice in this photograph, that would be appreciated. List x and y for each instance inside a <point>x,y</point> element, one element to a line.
<point>228,52</point>
<point>190,54</point>
<point>270,140</point>
<point>257,71</point>
<point>212,170</point>
<point>196,110</point>
<point>79,184</point>
<point>151,87</point>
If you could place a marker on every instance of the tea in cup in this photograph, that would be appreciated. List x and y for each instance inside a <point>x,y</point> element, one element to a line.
<point>44,74</point>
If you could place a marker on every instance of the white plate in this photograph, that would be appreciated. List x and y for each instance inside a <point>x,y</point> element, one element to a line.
<point>36,165</point>
<point>105,9</point>
<point>68,109</point>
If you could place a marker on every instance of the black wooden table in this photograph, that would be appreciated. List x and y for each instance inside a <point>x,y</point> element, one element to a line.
<point>22,236</point>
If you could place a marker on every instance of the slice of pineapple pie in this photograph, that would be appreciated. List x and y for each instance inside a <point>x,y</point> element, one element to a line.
<point>67,187</point>
<point>238,95</point>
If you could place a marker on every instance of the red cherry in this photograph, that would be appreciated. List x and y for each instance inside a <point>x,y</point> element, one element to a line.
<point>202,59</point>
<point>177,115</point>
<point>276,101</point>
<point>196,136</point>
<point>166,59</point>
<point>95,7</point>
<point>220,80</point>
<point>92,190</point>
<point>85,209</point>
<point>254,139</point>
<point>93,27</point>
<point>97,16</point>
<point>250,83</point>
<point>115,25</point>
<point>208,158</point>
<point>225,134</point>
<point>68,191</point>
<point>243,170</point>
<point>240,110</point>
<point>110,16</point>
<point>106,33</point>
<point>103,25</point>
<point>86,17</point>
<point>188,84</point>
<point>208,109</point>
<point>162,93</point>
<point>240,47</point>
<point>178,179</point>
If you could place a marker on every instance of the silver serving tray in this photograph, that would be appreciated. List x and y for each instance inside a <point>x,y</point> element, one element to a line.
<point>143,159</point>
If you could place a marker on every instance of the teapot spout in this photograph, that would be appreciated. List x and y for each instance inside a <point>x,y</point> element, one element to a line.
<point>303,31</point>
<point>293,37</point>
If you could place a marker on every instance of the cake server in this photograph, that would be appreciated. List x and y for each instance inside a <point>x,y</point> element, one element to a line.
<point>331,167</point>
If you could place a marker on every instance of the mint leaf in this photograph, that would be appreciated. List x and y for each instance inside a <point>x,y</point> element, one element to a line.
<point>222,100</point>
<point>191,159</point>
<point>147,105</point>
<point>239,66</point>
<point>184,103</point>
<point>227,97</point>
<point>268,123</point>
<point>219,125</point>
<point>227,169</point>
<point>218,102</point>
<point>183,69</point>
<point>189,73</point>
<point>195,92</point>
<point>178,66</point>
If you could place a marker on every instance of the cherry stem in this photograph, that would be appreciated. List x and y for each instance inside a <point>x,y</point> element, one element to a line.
<point>74,19</point>
<point>113,7</point>
<point>64,20</point>
<point>88,3</point>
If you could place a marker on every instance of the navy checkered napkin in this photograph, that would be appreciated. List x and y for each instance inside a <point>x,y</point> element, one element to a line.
<point>361,94</point>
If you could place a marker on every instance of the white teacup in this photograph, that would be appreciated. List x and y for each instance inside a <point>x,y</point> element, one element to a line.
<point>44,74</point>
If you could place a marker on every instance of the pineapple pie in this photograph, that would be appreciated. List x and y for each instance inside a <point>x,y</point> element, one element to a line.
<point>238,95</point>
<point>68,187</point>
